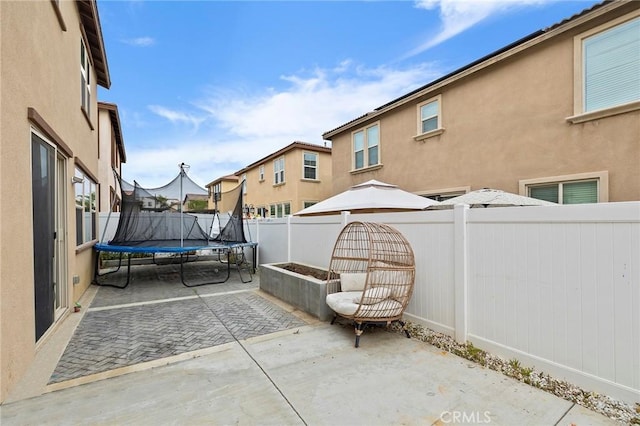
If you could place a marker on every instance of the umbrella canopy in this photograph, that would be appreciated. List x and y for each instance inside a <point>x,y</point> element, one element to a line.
<point>369,197</point>
<point>493,198</point>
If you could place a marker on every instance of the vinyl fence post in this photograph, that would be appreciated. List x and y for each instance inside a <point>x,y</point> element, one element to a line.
<point>344,217</point>
<point>460,265</point>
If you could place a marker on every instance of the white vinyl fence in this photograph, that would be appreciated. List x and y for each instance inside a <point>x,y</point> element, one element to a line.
<point>557,288</point>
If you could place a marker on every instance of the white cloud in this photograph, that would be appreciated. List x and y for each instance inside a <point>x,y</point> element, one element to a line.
<point>176,116</point>
<point>243,126</point>
<point>457,16</point>
<point>140,41</point>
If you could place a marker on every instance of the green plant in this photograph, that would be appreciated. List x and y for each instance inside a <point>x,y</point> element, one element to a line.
<point>515,364</point>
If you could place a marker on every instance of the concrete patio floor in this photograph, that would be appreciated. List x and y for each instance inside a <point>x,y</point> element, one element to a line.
<point>296,370</point>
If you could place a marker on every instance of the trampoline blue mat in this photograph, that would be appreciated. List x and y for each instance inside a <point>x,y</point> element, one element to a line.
<point>171,246</point>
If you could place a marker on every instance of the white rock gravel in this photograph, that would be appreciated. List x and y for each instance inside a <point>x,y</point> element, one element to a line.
<point>613,409</point>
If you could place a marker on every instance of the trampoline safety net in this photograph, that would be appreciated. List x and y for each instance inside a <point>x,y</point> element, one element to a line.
<point>147,219</point>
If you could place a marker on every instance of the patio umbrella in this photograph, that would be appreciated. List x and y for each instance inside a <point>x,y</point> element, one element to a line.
<point>369,197</point>
<point>488,197</point>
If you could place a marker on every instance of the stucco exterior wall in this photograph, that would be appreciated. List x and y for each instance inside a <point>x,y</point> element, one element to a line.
<point>295,190</point>
<point>39,70</point>
<point>504,123</point>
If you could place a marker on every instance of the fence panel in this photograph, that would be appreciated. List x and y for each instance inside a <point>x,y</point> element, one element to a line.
<point>557,290</point>
<point>312,239</point>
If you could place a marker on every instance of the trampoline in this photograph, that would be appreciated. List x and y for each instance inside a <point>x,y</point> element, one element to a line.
<point>149,225</point>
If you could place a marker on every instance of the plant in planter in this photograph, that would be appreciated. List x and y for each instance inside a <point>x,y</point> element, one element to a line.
<point>76,307</point>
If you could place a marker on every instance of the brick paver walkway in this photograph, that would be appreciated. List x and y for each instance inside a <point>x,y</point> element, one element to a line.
<point>153,319</point>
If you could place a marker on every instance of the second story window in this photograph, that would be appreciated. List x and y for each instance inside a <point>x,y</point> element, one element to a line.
<point>261,173</point>
<point>429,116</point>
<point>366,145</point>
<point>310,165</point>
<point>85,78</point>
<point>244,184</point>
<point>278,171</point>
<point>610,61</point>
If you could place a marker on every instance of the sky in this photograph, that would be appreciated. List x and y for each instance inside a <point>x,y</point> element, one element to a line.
<point>218,85</point>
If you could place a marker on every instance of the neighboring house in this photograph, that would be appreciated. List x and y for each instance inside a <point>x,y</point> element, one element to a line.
<point>195,203</point>
<point>53,58</point>
<point>290,179</point>
<point>111,155</point>
<point>217,189</point>
<point>555,115</point>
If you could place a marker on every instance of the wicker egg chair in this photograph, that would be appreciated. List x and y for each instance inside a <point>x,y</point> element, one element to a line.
<point>371,275</point>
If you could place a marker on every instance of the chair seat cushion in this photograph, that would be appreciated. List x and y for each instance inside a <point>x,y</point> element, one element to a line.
<point>342,303</point>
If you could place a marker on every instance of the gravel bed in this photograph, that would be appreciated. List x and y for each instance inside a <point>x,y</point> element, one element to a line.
<point>613,409</point>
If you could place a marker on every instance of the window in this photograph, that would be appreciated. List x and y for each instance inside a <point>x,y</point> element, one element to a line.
<point>366,147</point>
<point>429,113</point>
<point>611,62</point>
<point>607,74</point>
<point>261,173</point>
<point>244,184</point>
<point>310,165</point>
<point>86,216</point>
<point>278,171</point>
<point>580,192</point>
<point>217,191</point>
<point>280,210</point>
<point>309,204</point>
<point>85,78</point>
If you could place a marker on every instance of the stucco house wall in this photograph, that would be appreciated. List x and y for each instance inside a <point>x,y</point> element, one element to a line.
<point>505,122</point>
<point>41,90</point>
<point>111,155</point>
<point>295,190</point>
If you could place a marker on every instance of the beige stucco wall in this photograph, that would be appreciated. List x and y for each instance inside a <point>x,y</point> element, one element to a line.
<point>295,189</point>
<point>503,124</point>
<point>39,69</point>
<point>105,175</point>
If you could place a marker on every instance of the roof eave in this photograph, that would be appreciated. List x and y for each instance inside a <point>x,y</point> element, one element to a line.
<point>290,147</point>
<point>115,120</point>
<point>488,60</point>
<point>88,11</point>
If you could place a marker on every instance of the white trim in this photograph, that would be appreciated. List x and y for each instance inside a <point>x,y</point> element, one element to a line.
<point>602,177</point>
<point>579,114</point>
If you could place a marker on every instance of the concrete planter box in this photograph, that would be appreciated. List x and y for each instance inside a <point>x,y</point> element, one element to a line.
<point>302,291</point>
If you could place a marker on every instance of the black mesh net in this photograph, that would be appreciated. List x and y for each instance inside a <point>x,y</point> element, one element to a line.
<point>152,217</point>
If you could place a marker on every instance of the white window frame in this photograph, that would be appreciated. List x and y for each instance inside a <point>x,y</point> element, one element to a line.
<point>431,133</point>
<point>86,213</point>
<point>580,115</point>
<point>280,210</point>
<point>244,184</point>
<point>85,78</point>
<point>601,177</point>
<point>261,173</point>
<point>311,167</point>
<point>365,148</point>
<point>278,171</point>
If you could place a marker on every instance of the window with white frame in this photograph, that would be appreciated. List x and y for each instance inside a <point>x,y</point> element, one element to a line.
<point>85,78</point>
<point>244,184</point>
<point>280,210</point>
<point>86,214</point>
<point>429,116</point>
<point>366,145</point>
<point>278,171</point>
<point>576,192</point>
<point>610,65</point>
<point>261,173</point>
<point>310,160</point>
